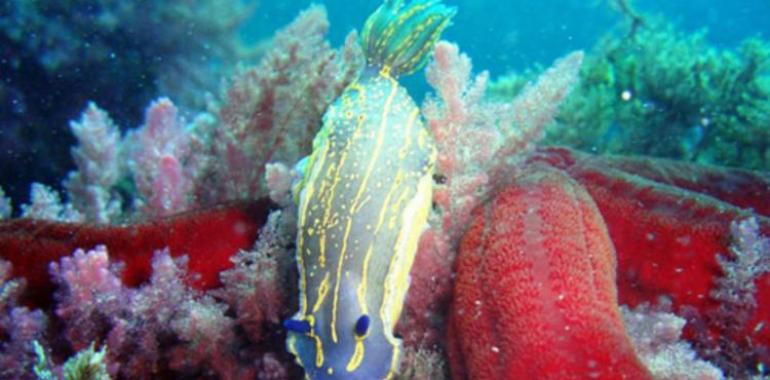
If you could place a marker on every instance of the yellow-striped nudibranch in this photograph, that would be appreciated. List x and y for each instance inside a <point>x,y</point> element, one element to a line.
<point>363,202</point>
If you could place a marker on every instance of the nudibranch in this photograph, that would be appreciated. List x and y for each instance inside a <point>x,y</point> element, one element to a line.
<point>363,202</point>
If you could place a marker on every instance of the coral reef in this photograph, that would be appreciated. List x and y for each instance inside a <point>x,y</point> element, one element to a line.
<point>668,206</point>
<point>147,265</point>
<point>169,164</point>
<point>166,321</point>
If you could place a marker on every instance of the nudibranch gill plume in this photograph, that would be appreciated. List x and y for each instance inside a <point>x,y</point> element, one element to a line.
<point>363,202</point>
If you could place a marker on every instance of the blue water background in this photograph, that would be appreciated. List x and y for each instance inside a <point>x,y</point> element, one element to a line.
<point>504,35</point>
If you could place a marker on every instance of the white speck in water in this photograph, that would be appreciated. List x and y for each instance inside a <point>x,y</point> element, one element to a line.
<point>626,95</point>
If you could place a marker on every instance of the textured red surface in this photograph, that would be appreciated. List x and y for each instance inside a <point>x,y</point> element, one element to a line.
<point>669,221</point>
<point>535,294</point>
<point>209,238</point>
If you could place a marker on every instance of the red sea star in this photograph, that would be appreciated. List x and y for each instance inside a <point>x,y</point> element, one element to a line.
<point>535,294</point>
<point>669,222</point>
<point>209,238</point>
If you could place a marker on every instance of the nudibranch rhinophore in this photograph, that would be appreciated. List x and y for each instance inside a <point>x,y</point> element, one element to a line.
<point>363,202</point>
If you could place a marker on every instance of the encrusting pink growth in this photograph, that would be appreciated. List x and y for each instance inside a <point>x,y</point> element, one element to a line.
<point>657,340</point>
<point>90,293</point>
<point>743,294</point>
<point>481,142</point>
<point>97,158</point>
<point>19,326</point>
<point>272,111</point>
<point>161,155</point>
<point>256,288</point>
<point>46,204</point>
<point>535,294</point>
<point>423,363</point>
<point>271,368</point>
<point>279,178</point>
<point>165,328</point>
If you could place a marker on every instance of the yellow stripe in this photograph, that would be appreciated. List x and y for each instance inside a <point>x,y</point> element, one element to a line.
<point>362,287</point>
<point>394,185</point>
<point>323,290</point>
<point>402,198</point>
<point>408,135</point>
<point>362,204</point>
<point>303,216</point>
<point>358,355</point>
<point>396,281</point>
<point>394,362</point>
<point>319,351</point>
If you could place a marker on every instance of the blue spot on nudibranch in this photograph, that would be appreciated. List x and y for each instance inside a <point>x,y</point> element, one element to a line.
<point>362,325</point>
<point>302,327</point>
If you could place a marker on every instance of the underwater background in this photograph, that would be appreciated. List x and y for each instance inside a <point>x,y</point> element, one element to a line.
<point>580,186</point>
<point>55,58</point>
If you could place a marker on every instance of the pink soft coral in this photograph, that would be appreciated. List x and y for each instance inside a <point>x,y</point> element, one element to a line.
<point>480,146</point>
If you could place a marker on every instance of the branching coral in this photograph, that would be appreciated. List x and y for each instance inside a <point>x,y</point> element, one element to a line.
<point>165,326</point>
<point>168,164</point>
<point>272,111</point>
